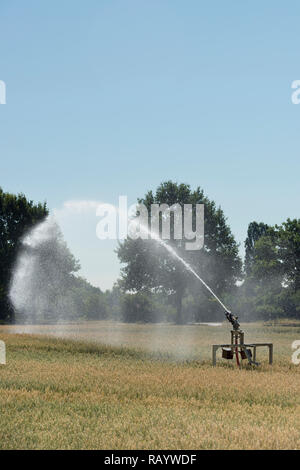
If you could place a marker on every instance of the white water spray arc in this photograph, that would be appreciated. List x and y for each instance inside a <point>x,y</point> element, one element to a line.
<point>171,250</point>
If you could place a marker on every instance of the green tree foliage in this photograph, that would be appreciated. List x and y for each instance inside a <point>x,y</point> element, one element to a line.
<point>149,267</point>
<point>137,307</point>
<point>271,287</point>
<point>17,215</point>
<point>113,299</point>
<point>90,302</point>
<point>266,276</point>
<point>255,231</point>
<point>289,252</point>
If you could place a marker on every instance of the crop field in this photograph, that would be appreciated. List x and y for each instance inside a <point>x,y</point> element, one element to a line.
<point>105,385</point>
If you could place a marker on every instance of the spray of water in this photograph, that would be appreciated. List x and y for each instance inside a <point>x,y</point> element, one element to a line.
<point>187,266</point>
<point>39,287</point>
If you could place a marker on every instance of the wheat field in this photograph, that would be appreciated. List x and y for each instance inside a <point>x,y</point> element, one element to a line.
<point>105,385</point>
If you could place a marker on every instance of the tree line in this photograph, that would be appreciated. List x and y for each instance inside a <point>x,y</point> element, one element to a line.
<point>153,285</point>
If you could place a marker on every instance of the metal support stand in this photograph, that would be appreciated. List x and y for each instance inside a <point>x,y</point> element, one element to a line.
<point>244,350</point>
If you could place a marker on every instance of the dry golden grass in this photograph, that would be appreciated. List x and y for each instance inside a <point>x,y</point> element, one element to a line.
<point>67,394</point>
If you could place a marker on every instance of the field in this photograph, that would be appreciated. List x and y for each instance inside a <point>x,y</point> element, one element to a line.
<point>105,385</point>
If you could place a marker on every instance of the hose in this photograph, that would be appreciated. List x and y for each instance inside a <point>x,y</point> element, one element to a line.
<point>237,353</point>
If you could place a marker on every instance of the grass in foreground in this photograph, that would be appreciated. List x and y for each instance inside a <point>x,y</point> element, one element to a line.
<point>64,394</point>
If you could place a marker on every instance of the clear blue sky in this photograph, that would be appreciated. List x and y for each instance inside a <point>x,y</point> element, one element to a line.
<point>106,98</point>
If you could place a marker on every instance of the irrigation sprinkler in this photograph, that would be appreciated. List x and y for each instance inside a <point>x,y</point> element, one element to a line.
<point>238,347</point>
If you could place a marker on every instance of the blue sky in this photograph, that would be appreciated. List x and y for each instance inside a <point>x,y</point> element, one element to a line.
<point>106,98</point>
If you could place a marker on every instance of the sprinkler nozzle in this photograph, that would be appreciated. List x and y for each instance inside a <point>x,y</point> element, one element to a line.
<point>233,320</point>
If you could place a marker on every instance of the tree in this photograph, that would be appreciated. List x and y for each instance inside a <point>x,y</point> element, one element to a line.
<point>90,302</point>
<point>289,252</point>
<point>17,215</point>
<point>148,267</point>
<point>137,307</point>
<point>272,283</point>
<point>255,231</point>
<point>113,299</point>
<point>266,276</point>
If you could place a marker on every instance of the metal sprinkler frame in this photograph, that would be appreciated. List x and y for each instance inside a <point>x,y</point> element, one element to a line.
<point>238,346</point>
